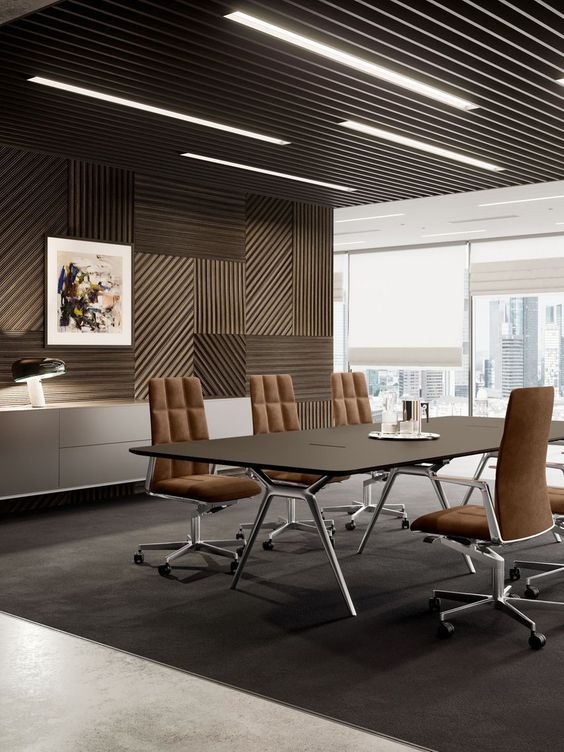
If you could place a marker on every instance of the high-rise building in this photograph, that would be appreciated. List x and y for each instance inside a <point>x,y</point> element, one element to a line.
<point>409,383</point>
<point>489,373</point>
<point>373,381</point>
<point>496,322</point>
<point>432,384</point>
<point>552,347</point>
<point>530,341</point>
<point>511,364</point>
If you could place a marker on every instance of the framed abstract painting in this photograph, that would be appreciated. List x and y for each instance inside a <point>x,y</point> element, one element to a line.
<point>88,293</point>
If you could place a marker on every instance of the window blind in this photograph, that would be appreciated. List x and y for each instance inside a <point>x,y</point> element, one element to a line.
<point>517,266</point>
<point>406,307</point>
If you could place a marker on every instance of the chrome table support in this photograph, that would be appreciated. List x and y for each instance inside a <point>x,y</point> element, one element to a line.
<point>273,489</point>
<point>358,507</point>
<point>425,471</point>
<point>284,524</point>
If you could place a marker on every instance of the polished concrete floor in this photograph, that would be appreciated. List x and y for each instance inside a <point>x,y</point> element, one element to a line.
<point>60,693</point>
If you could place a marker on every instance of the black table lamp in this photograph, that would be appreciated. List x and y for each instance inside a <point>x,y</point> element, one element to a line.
<point>33,371</point>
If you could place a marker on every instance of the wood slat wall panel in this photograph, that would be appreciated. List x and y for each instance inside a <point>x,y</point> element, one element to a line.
<point>219,362</point>
<point>100,202</point>
<point>164,318</point>
<point>220,296</point>
<point>315,414</point>
<point>309,360</point>
<point>33,203</point>
<point>269,266</point>
<point>92,373</point>
<point>179,220</point>
<point>313,270</point>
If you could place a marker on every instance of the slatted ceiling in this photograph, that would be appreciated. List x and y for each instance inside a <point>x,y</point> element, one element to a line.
<point>502,55</point>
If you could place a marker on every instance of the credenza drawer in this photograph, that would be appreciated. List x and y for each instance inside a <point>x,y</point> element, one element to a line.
<point>29,452</point>
<point>104,463</point>
<point>87,426</point>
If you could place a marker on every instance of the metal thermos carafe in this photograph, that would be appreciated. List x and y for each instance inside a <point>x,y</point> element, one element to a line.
<point>412,409</point>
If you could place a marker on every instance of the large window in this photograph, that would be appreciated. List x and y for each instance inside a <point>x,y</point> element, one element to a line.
<point>405,319</point>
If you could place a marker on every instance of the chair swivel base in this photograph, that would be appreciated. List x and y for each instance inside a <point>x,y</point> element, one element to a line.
<point>357,507</point>
<point>547,571</point>
<point>284,525</point>
<point>502,602</point>
<point>192,544</point>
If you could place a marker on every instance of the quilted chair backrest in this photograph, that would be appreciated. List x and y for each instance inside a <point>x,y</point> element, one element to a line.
<point>349,394</point>
<point>177,414</point>
<point>273,404</point>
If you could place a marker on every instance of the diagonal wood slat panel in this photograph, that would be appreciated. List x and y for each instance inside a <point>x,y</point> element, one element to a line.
<point>219,296</point>
<point>164,318</point>
<point>309,360</point>
<point>268,274</point>
<point>100,202</point>
<point>174,218</point>
<point>313,270</point>
<point>33,203</point>
<point>92,374</point>
<point>219,362</point>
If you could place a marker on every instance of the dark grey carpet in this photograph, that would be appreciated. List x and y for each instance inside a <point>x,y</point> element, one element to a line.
<point>284,634</point>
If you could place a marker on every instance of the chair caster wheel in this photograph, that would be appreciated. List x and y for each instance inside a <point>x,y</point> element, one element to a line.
<point>240,550</point>
<point>165,570</point>
<point>233,566</point>
<point>537,640</point>
<point>268,545</point>
<point>514,574</point>
<point>532,592</point>
<point>435,604</point>
<point>405,524</point>
<point>240,535</point>
<point>350,525</point>
<point>445,630</point>
<point>138,558</point>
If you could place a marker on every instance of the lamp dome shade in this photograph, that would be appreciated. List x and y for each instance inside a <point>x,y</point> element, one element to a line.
<point>43,368</point>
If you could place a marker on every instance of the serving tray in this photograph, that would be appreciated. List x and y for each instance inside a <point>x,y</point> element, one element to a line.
<point>403,436</point>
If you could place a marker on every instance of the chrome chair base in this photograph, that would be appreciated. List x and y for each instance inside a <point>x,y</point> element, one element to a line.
<point>501,597</point>
<point>284,525</point>
<point>192,544</point>
<point>547,570</point>
<point>357,507</point>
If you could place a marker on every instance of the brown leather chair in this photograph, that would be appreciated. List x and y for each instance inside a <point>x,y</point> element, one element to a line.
<point>274,409</point>
<point>351,407</point>
<point>521,510</point>
<point>177,414</point>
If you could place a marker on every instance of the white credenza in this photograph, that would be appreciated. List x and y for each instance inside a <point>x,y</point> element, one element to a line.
<point>85,444</point>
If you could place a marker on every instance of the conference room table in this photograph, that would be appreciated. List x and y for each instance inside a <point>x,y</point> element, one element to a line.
<point>341,451</point>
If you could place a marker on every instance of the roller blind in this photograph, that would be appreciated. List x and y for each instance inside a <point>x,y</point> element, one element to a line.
<point>517,266</point>
<point>406,307</point>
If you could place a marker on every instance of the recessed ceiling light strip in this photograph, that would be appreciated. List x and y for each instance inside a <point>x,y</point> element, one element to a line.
<point>267,172</point>
<point>520,200</point>
<point>441,234</point>
<point>376,216</point>
<point>352,61</point>
<point>155,110</point>
<point>420,145</point>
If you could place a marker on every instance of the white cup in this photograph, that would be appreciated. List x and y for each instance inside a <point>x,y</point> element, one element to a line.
<point>406,426</point>
<point>389,427</point>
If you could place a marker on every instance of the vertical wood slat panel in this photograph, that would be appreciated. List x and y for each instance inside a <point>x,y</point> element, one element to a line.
<point>313,270</point>
<point>220,296</point>
<point>164,318</point>
<point>101,202</point>
<point>268,272</point>
<point>315,414</point>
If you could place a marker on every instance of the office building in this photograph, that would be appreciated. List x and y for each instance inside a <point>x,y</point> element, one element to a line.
<point>240,245</point>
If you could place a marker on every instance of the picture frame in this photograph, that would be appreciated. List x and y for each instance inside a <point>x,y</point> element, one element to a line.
<point>88,293</point>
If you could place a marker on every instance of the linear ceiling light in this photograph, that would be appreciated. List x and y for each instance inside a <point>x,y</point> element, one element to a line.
<point>520,200</point>
<point>155,110</point>
<point>376,216</point>
<point>439,234</point>
<point>267,172</point>
<point>560,81</point>
<point>421,145</point>
<point>352,61</point>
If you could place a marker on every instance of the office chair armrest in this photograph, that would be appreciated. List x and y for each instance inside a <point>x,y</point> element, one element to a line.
<point>461,481</point>
<point>555,466</point>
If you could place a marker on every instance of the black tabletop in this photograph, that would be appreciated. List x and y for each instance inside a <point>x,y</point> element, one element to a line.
<point>345,450</point>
